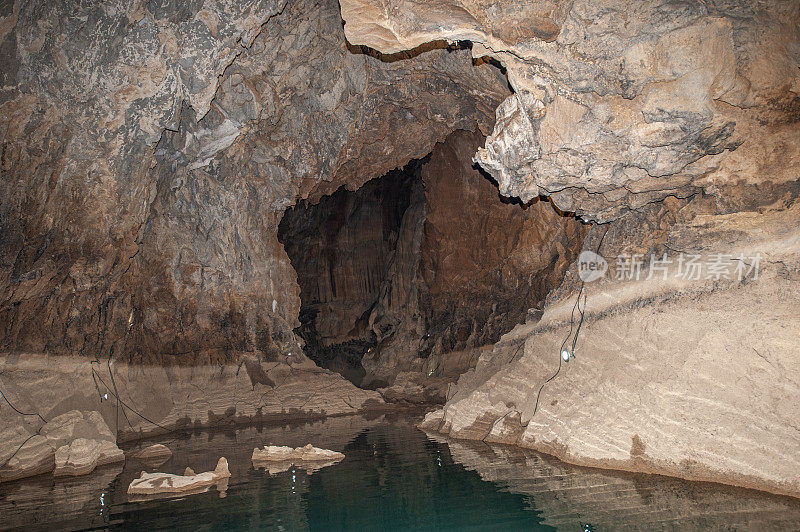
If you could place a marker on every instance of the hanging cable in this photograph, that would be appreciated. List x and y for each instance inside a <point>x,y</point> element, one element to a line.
<point>571,328</point>
<point>18,411</point>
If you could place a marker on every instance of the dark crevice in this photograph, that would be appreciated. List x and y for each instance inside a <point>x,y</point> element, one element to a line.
<point>425,263</point>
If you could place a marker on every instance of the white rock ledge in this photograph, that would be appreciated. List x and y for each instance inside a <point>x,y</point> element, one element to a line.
<point>150,484</point>
<point>309,453</point>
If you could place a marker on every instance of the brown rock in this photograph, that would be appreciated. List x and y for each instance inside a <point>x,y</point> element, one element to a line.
<point>81,457</point>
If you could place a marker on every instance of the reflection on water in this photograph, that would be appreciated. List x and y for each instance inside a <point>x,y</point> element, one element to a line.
<point>393,478</point>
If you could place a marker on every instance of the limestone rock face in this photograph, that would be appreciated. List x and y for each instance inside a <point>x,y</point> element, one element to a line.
<point>484,260</point>
<point>695,378</point>
<point>157,399</point>
<point>619,105</point>
<point>149,151</point>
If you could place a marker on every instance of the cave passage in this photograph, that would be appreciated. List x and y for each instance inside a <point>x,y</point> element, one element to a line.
<point>341,249</point>
<point>419,268</point>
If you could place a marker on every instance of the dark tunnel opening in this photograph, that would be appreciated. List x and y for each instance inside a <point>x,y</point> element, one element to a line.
<point>419,269</point>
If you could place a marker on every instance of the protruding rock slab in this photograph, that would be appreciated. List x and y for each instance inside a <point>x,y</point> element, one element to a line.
<point>157,484</point>
<point>276,459</point>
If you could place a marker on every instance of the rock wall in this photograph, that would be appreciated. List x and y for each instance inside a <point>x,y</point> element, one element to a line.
<point>694,378</point>
<point>485,260</point>
<point>678,123</point>
<point>617,105</point>
<point>149,151</point>
<point>138,400</point>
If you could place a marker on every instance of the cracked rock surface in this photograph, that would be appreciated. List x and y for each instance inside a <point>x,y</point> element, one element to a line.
<point>619,105</point>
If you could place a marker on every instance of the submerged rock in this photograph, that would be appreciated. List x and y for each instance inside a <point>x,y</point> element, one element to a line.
<point>153,455</point>
<point>149,484</point>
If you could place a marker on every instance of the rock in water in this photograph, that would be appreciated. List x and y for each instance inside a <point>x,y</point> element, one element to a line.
<point>82,456</point>
<point>168,484</point>
<point>153,455</point>
<point>71,444</point>
<point>309,453</point>
<point>153,451</point>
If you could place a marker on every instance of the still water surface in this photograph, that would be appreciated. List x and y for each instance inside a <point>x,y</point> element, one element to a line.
<point>394,477</point>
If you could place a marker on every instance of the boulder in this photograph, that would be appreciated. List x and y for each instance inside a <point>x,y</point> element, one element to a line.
<point>34,457</point>
<point>153,455</point>
<point>82,456</point>
<point>75,424</point>
<point>73,443</point>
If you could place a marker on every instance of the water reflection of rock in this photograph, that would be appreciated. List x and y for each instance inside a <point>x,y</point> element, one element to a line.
<point>273,468</point>
<point>83,502</point>
<point>568,497</point>
<point>72,502</point>
<point>192,449</point>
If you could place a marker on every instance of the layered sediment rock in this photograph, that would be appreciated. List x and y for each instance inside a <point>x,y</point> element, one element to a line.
<point>690,377</point>
<point>155,399</point>
<point>71,444</point>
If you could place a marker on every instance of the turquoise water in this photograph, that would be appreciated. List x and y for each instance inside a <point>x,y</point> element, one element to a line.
<point>394,477</point>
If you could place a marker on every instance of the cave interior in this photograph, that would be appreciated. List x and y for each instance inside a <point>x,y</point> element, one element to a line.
<point>413,271</point>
